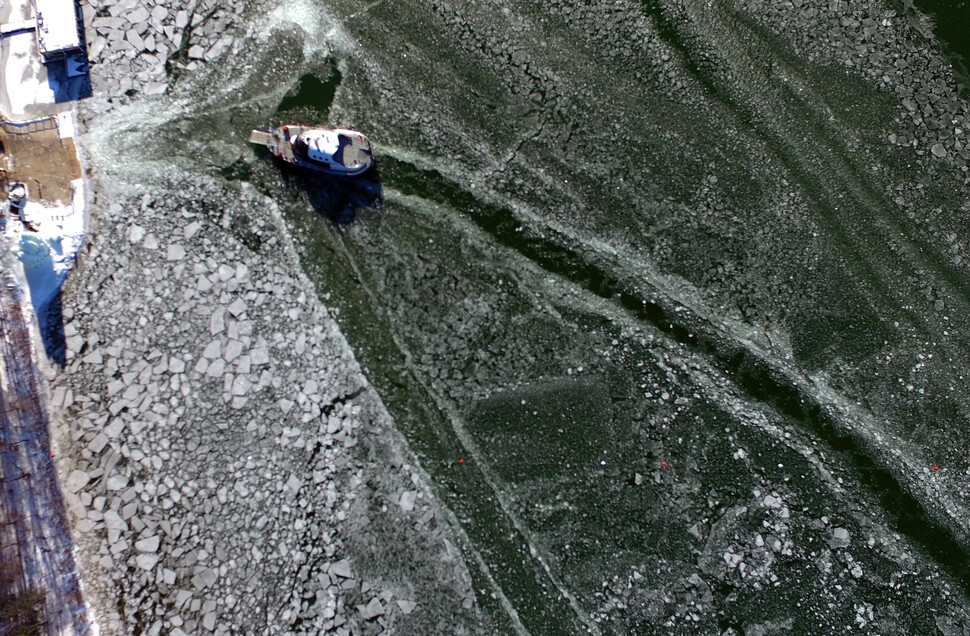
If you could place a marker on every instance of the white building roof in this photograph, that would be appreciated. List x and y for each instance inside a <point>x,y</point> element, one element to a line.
<point>57,29</point>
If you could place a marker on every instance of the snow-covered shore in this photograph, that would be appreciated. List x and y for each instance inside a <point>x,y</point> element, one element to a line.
<point>46,253</point>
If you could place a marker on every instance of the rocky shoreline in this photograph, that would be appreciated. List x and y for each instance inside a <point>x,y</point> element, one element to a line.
<point>226,465</point>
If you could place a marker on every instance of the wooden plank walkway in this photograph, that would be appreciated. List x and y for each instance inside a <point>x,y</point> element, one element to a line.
<point>260,137</point>
<point>16,28</point>
<point>39,580</point>
<point>275,142</point>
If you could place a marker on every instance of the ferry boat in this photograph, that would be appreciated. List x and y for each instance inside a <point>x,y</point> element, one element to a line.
<point>336,151</point>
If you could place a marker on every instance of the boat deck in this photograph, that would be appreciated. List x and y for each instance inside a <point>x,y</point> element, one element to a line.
<point>260,137</point>
<point>356,153</point>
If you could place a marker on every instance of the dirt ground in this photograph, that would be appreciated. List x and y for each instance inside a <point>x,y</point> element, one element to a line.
<point>46,163</point>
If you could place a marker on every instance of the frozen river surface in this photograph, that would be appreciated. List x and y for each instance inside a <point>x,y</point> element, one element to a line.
<point>671,300</point>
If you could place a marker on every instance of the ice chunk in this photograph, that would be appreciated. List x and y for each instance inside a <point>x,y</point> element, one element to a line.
<point>407,500</point>
<point>372,610</point>
<point>149,544</point>
<point>341,568</point>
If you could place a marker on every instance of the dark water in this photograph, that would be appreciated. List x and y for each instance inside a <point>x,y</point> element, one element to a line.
<point>651,294</point>
<point>312,96</point>
<point>952,29</point>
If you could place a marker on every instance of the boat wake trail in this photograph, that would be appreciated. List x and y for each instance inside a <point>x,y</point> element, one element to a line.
<point>678,327</point>
<point>803,404</point>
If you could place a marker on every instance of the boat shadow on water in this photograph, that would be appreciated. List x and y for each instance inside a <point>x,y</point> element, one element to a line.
<point>340,199</point>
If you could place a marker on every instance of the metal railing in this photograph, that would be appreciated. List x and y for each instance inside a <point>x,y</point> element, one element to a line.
<point>25,127</point>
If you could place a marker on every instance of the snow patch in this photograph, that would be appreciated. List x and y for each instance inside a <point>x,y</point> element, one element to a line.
<point>24,76</point>
<point>47,251</point>
<point>65,124</point>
